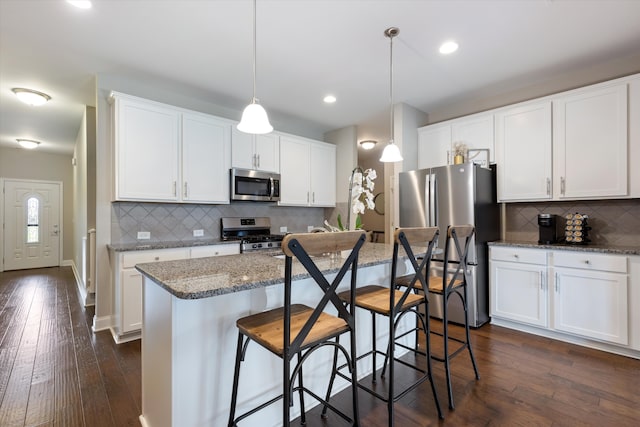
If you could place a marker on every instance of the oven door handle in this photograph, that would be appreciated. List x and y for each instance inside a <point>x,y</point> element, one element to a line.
<point>271,188</point>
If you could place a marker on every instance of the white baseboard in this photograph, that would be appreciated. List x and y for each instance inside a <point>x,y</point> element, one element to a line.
<point>67,263</point>
<point>87,298</point>
<point>102,323</point>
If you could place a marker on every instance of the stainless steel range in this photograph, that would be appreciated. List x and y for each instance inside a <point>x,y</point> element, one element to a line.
<point>254,234</point>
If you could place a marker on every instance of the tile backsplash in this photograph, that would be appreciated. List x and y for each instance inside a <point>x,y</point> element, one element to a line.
<point>613,222</point>
<point>168,222</point>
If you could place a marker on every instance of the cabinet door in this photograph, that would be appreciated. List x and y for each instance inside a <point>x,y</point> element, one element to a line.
<point>205,159</point>
<point>294,172</point>
<point>523,152</point>
<point>590,143</point>
<point>592,304</point>
<point>267,152</point>
<point>131,303</point>
<point>147,144</point>
<point>242,155</point>
<point>476,132</point>
<point>323,174</point>
<point>434,146</point>
<point>518,292</point>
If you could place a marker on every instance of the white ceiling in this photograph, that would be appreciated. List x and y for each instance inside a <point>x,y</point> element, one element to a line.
<point>306,49</point>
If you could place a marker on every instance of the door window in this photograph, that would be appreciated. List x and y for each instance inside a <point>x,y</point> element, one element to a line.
<point>33,220</point>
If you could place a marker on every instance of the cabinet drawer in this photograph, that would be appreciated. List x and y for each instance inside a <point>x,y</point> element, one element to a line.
<point>590,261</point>
<point>130,259</point>
<point>215,250</point>
<point>515,254</point>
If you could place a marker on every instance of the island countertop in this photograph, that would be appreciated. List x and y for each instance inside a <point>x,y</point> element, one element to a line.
<point>208,277</point>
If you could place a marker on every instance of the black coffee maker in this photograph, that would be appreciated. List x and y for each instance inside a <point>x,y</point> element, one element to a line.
<point>551,228</point>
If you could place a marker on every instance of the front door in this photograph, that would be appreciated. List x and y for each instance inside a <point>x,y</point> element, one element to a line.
<point>31,224</point>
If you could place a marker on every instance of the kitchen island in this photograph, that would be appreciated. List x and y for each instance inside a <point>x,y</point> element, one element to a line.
<point>189,335</point>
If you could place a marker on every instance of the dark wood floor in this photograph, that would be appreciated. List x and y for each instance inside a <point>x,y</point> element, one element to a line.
<point>55,371</point>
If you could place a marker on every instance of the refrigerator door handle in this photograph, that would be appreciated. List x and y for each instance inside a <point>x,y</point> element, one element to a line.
<point>433,219</point>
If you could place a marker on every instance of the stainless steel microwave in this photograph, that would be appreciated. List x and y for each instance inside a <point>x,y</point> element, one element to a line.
<point>254,185</point>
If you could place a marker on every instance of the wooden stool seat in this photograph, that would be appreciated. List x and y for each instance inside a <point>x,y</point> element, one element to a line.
<point>376,298</point>
<point>266,328</point>
<point>435,283</point>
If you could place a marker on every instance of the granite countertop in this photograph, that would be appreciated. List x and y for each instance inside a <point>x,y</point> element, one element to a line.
<point>124,247</point>
<point>207,277</point>
<point>605,249</point>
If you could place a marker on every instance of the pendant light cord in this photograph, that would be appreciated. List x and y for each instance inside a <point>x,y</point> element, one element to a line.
<point>391,33</point>
<point>253,100</point>
<point>391,85</point>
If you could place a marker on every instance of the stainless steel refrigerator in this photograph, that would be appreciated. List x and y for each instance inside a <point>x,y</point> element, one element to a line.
<point>455,194</point>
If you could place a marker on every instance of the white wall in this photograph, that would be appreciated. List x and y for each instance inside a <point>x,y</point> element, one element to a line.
<point>80,197</point>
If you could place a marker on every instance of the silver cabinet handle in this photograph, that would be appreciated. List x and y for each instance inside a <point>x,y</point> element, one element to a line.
<point>557,282</point>
<point>186,190</point>
<point>258,157</point>
<point>548,186</point>
<point>586,261</point>
<point>541,281</point>
<point>307,197</point>
<point>562,185</point>
<point>516,256</point>
<point>175,189</point>
<point>313,197</point>
<point>157,258</point>
<point>448,157</point>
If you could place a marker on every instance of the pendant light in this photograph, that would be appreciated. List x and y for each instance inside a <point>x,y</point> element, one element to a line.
<point>391,152</point>
<point>254,117</point>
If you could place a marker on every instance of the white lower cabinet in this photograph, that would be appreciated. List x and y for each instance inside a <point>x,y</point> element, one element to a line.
<point>519,285</point>
<point>590,296</point>
<point>128,282</point>
<point>582,297</point>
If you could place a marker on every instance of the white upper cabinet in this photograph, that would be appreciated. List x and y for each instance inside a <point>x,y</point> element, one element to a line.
<point>436,142</point>
<point>523,152</point>
<point>147,141</point>
<point>634,137</point>
<point>323,174</point>
<point>590,143</point>
<point>434,146</point>
<point>258,152</point>
<point>206,145</point>
<point>476,132</point>
<point>307,172</point>
<point>165,153</point>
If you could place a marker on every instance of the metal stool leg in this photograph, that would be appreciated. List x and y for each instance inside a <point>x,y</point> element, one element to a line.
<point>236,378</point>
<point>447,360</point>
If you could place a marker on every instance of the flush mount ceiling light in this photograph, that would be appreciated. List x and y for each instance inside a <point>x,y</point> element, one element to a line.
<point>368,144</point>
<point>329,99</point>
<point>31,97</point>
<point>391,152</point>
<point>29,144</point>
<point>254,117</point>
<point>448,47</point>
<point>80,4</point>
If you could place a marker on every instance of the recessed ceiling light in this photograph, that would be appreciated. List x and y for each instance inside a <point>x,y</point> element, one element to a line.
<point>81,4</point>
<point>368,144</point>
<point>30,97</point>
<point>329,99</point>
<point>29,144</point>
<point>448,47</point>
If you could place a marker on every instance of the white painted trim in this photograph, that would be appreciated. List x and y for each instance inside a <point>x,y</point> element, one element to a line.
<point>2,225</point>
<point>101,323</point>
<point>87,298</point>
<point>119,339</point>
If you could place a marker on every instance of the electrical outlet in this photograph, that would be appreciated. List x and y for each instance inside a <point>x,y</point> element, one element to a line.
<point>283,229</point>
<point>309,228</point>
<point>198,233</point>
<point>144,235</point>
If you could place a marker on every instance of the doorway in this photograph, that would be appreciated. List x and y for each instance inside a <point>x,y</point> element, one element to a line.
<point>32,230</point>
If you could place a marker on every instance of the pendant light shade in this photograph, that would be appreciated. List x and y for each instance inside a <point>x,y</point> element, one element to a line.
<point>391,152</point>
<point>254,117</point>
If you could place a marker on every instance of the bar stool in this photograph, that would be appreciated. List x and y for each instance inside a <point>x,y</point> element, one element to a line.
<point>298,330</point>
<point>395,304</point>
<point>454,283</point>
